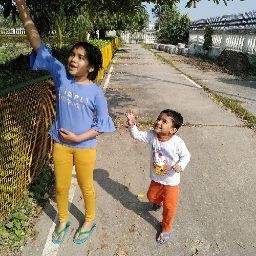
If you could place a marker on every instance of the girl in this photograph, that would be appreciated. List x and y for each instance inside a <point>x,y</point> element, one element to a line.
<point>81,115</point>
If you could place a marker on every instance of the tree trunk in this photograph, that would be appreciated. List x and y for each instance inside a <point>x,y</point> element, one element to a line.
<point>94,35</point>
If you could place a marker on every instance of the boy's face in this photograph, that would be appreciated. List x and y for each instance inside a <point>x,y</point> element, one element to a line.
<point>78,65</point>
<point>164,125</point>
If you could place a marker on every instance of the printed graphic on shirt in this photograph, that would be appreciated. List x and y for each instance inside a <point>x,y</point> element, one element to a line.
<point>72,99</point>
<point>160,163</point>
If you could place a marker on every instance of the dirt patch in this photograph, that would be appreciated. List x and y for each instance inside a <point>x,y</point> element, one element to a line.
<point>234,62</point>
<point>200,63</point>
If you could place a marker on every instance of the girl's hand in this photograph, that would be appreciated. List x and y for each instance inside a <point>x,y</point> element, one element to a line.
<point>177,168</point>
<point>68,136</point>
<point>131,118</point>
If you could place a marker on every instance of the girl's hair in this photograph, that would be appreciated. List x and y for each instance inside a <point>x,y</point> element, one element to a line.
<point>177,118</point>
<point>94,57</point>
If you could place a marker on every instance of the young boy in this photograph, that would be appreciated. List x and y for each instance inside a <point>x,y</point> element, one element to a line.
<point>169,157</point>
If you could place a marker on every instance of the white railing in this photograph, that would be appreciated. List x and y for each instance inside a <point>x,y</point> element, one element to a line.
<point>147,37</point>
<point>240,40</point>
<point>233,32</point>
<point>12,31</point>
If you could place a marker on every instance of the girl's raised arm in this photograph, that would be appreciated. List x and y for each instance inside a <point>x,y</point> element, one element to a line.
<point>29,26</point>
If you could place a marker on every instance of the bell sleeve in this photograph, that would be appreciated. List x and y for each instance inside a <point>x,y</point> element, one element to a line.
<point>102,121</point>
<point>44,60</point>
<point>40,60</point>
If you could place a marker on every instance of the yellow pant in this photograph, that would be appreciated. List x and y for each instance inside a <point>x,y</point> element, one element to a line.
<point>64,158</point>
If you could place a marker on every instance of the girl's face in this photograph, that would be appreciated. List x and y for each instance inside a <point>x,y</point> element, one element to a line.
<point>78,65</point>
<point>163,125</point>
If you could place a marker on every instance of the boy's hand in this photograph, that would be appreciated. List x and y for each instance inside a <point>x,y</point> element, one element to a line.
<point>177,168</point>
<point>68,136</point>
<point>131,118</point>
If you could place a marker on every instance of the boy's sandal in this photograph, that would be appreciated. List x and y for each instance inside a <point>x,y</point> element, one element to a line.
<point>84,234</point>
<point>60,234</point>
<point>156,207</point>
<point>163,237</point>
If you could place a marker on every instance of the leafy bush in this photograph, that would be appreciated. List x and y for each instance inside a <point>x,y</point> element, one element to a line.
<point>207,45</point>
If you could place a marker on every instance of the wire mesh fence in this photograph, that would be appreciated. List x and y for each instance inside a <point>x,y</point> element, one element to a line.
<point>26,115</point>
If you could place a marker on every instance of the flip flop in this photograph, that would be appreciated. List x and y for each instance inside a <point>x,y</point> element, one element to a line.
<point>58,233</point>
<point>163,237</point>
<point>78,240</point>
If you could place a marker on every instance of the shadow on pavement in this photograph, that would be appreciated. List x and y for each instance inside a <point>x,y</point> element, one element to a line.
<point>235,95</point>
<point>118,100</point>
<point>125,197</point>
<point>244,83</point>
<point>73,210</point>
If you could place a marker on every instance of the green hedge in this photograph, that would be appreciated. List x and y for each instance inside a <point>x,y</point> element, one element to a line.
<point>17,70</point>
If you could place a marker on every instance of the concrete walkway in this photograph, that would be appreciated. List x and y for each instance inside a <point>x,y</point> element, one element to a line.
<point>224,84</point>
<point>217,208</point>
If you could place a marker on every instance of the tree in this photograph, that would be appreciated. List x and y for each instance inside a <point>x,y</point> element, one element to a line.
<point>111,5</point>
<point>173,27</point>
<point>45,13</point>
<point>132,22</point>
<point>194,2</point>
<point>207,45</point>
<point>8,22</point>
<point>81,25</point>
<point>104,15</point>
<point>114,15</point>
<point>189,3</point>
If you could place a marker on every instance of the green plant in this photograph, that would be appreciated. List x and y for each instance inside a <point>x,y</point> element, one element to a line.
<point>236,107</point>
<point>8,53</point>
<point>60,24</point>
<point>39,188</point>
<point>81,25</point>
<point>19,226</point>
<point>14,230</point>
<point>207,45</point>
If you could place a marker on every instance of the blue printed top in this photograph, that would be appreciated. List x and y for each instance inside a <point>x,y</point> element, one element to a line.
<point>79,107</point>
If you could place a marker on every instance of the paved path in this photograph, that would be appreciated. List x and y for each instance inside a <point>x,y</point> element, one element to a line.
<point>217,209</point>
<point>226,85</point>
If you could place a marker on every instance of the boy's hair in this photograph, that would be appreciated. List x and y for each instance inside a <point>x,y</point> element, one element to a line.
<point>177,118</point>
<point>94,57</point>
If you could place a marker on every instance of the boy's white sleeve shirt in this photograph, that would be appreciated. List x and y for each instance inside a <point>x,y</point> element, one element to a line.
<point>163,156</point>
<point>143,136</point>
<point>184,155</point>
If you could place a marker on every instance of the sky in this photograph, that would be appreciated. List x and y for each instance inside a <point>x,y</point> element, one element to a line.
<point>208,9</point>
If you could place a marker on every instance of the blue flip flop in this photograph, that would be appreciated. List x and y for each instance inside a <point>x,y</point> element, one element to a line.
<point>78,240</point>
<point>163,237</point>
<point>58,233</point>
